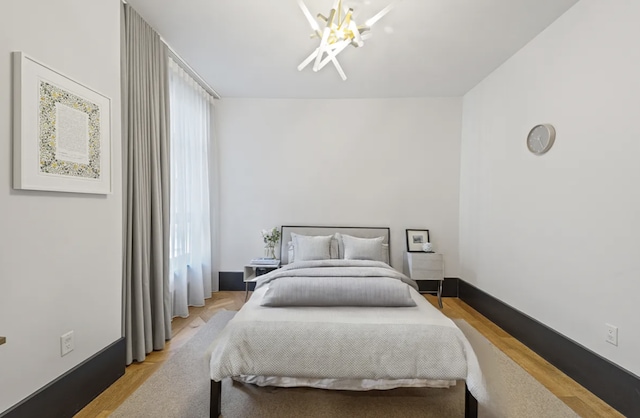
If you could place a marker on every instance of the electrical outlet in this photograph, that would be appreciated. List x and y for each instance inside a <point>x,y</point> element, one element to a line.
<point>66,343</point>
<point>612,334</point>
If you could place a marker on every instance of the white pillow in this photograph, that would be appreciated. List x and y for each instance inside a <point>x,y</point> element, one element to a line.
<point>337,291</point>
<point>307,247</point>
<point>292,255</point>
<point>334,247</point>
<point>385,253</point>
<point>333,250</point>
<point>362,248</point>
<point>385,248</point>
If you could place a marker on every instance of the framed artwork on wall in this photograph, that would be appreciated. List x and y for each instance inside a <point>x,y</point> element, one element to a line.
<point>416,238</point>
<point>61,131</point>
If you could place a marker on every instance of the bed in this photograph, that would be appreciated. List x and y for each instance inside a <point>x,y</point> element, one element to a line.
<point>336,316</point>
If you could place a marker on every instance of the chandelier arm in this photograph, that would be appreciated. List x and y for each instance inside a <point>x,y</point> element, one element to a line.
<point>331,56</point>
<point>339,68</point>
<point>379,15</point>
<point>308,59</point>
<point>356,34</point>
<point>347,17</point>
<point>324,43</point>
<point>307,14</point>
<point>334,53</point>
<point>318,58</point>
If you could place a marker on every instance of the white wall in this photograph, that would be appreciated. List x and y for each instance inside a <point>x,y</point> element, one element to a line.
<point>60,253</point>
<point>556,236</point>
<point>368,162</point>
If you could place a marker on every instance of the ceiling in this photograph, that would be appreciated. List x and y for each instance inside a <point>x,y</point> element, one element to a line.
<point>421,48</point>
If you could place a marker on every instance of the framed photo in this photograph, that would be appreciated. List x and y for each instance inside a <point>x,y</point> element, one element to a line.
<point>415,239</point>
<point>61,131</point>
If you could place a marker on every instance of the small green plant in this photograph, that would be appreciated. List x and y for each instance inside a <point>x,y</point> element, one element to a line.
<point>271,236</point>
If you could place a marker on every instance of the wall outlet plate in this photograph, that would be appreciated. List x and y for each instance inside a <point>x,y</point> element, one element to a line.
<point>66,343</point>
<point>612,334</point>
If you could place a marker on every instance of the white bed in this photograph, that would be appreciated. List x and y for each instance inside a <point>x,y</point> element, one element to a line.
<point>377,340</point>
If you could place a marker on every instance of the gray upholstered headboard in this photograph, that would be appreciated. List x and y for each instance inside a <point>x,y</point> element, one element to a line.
<point>355,231</point>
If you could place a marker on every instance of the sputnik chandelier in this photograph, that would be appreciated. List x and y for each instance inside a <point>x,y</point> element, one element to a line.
<point>340,31</point>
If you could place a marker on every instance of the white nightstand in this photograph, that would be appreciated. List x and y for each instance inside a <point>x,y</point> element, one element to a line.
<point>251,274</point>
<point>425,266</point>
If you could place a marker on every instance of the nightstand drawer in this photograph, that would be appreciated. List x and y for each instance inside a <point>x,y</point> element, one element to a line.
<point>426,274</point>
<point>424,266</point>
<point>432,262</point>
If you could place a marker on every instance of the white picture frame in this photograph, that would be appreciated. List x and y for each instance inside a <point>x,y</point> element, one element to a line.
<point>61,131</point>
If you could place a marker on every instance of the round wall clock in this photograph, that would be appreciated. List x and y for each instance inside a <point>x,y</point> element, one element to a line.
<point>541,138</point>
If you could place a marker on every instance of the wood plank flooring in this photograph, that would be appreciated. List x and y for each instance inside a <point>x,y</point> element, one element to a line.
<point>583,402</point>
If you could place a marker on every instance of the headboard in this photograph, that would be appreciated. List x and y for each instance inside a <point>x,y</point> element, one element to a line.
<point>355,231</point>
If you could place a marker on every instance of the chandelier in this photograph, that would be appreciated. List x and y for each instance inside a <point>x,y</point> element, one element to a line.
<point>339,31</point>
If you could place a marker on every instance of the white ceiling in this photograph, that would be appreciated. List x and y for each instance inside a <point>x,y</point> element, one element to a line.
<point>422,48</point>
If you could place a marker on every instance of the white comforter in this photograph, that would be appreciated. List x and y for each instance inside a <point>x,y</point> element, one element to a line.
<point>344,343</point>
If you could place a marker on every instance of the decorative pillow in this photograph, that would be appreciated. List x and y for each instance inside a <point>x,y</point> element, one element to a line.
<point>338,237</point>
<point>362,248</point>
<point>337,291</point>
<point>307,247</point>
<point>292,255</point>
<point>385,253</point>
<point>334,248</point>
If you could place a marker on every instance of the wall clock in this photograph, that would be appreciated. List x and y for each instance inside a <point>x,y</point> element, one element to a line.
<point>541,138</point>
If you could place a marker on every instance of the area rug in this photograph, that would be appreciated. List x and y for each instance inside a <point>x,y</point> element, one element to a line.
<point>180,389</point>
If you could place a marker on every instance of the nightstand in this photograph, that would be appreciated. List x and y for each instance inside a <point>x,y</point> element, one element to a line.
<point>425,266</point>
<point>252,272</point>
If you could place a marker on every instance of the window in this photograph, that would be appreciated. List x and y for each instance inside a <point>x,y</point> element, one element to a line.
<point>191,113</point>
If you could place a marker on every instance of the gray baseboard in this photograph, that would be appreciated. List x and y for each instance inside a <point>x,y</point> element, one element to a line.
<point>72,391</point>
<point>449,287</point>
<point>231,280</point>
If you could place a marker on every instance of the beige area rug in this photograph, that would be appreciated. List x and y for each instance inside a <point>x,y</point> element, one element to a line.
<point>180,389</point>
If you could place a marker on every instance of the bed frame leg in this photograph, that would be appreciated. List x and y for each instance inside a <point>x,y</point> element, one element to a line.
<point>216,399</point>
<point>470,404</point>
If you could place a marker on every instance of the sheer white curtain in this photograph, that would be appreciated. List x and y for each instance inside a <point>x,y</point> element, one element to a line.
<point>191,111</point>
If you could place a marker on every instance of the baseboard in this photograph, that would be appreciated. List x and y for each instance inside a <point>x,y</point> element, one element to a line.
<point>449,286</point>
<point>72,391</point>
<point>232,280</point>
<point>614,385</point>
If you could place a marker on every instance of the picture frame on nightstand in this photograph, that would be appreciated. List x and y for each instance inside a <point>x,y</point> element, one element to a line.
<point>415,239</point>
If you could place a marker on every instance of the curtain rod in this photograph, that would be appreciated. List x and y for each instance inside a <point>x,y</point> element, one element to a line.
<point>187,67</point>
<point>190,70</point>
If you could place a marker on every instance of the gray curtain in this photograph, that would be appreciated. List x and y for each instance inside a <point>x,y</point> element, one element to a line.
<point>145,121</point>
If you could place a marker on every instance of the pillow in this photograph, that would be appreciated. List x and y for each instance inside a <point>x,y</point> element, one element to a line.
<point>291,253</point>
<point>337,291</point>
<point>334,247</point>
<point>362,248</point>
<point>333,250</point>
<point>385,249</point>
<point>385,254</point>
<point>307,247</point>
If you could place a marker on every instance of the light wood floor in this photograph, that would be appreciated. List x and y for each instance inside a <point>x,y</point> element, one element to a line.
<point>575,396</point>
